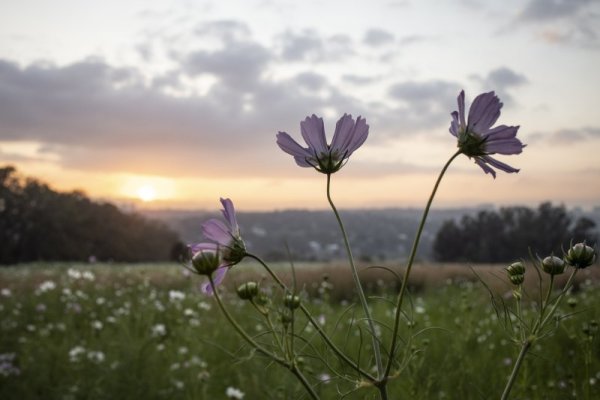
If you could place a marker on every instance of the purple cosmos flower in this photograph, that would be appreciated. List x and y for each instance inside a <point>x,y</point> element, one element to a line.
<point>477,138</point>
<point>226,242</point>
<point>325,158</point>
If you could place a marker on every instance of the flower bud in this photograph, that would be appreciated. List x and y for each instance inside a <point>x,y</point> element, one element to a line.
<point>553,265</point>
<point>580,256</point>
<point>286,318</point>
<point>247,291</point>
<point>516,273</point>
<point>205,262</point>
<point>235,252</point>
<point>291,301</point>
<point>572,302</point>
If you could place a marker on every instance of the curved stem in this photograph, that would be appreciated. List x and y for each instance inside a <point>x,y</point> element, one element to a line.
<point>315,324</point>
<point>515,371</point>
<point>359,289</point>
<point>291,366</point>
<point>411,259</point>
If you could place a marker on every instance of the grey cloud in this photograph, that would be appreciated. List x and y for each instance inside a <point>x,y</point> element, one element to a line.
<point>502,80</point>
<point>227,30</point>
<point>377,37</point>
<point>430,92</point>
<point>308,45</point>
<point>358,79</point>
<point>240,63</point>
<point>539,10</point>
<point>566,136</point>
<point>311,80</point>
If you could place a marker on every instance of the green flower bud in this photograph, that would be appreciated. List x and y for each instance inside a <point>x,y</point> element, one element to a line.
<point>572,302</point>
<point>580,256</point>
<point>286,318</point>
<point>247,291</point>
<point>553,265</point>
<point>516,268</point>
<point>291,301</point>
<point>206,262</point>
<point>516,273</point>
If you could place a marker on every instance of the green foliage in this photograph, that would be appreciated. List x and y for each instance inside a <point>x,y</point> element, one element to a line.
<point>161,339</point>
<point>38,223</point>
<point>509,233</point>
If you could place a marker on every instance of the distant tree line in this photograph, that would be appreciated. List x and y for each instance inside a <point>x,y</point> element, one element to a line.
<point>38,223</point>
<point>509,233</point>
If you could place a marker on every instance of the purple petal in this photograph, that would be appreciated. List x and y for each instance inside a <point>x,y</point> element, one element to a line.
<point>504,146</point>
<point>500,165</point>
<point>218,277</point>
<point>342,136</point>
<point>502,132</point>
<point>217,231</point>
<point>485,167</point>
<point>461,108</point>
<point>484,112</point>
<point>359,135</point>
<point>290,146</point>
<point>198,247</point>
<point>229,215</point>
<point>454,126</point>
<point>313,133</point>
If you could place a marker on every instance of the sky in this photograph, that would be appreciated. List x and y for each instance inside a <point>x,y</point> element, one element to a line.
<point>178,102</point>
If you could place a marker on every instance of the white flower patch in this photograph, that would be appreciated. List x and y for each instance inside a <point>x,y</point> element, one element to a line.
<point>234,393</point>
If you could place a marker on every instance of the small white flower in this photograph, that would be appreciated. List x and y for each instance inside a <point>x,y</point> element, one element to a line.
<point>96,356</point>
<point>75,353</point>
<point>6,292</point>
<point>46,286</point>
<point>97,325</point>
<point>176,295</point>
<point>234,393</point>
<point>324,377</point>
<point>204,306</point>
<point>159,330</point>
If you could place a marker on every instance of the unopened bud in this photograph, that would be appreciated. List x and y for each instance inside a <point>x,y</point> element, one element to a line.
<point>247,291</point>
<point>553,265</point>
<point>291,301</point>
<point>580,255</point>
<point>572,302</point>
<point>205,262</point>
<point>516,273</point>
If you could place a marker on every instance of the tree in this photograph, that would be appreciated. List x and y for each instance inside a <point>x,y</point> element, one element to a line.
<point>40,224</point>
<point>510,233</point>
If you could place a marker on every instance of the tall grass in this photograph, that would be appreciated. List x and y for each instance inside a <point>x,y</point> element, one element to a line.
<point>145,332</point>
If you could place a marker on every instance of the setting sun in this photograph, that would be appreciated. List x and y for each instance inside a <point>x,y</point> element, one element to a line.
<point>146,193</point>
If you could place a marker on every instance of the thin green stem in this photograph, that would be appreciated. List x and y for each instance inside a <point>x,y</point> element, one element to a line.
<point>411,259</point>
<point>316,325</point>
<point>359,289</point>
<point>515,371</point>
<point>536,329</point>
<point>291,366</point>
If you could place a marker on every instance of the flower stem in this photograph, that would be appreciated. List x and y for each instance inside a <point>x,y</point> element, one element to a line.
<point>411,259</point>
<point>515,371</point>
<point>291,366</point>
<point>315,324</point>
<point>536,329</point>
<point>359,289</point>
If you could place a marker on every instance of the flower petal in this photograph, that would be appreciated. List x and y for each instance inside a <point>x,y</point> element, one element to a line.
<point>217,231</point>
<point>502,132</point>
<point>342,136</point>
<point>461,109</point>
<point>504,146</point>
<point>313,132</point>
<point>198,247</point>
<point>359,135</point>
<point>484,112</point>
<point>229,215</point>
<point>290,146</point>
<point>454,124</point>
<point>498,164</point>
<point>218,277</point>
<point>485,167</point>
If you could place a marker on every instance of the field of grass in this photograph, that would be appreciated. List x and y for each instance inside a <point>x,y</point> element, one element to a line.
<point>78,331</point>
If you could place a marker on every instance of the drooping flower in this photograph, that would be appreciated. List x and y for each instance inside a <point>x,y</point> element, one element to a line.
<point>326,158</point>
<point>477,138</point>
<point>225,249</point>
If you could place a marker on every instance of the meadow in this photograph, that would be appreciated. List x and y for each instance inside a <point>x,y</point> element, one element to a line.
<point>82,331</point>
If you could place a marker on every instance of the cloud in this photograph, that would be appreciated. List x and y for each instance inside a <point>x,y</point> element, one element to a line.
<point>566,137</point>
<point>308,45</point>
<point>378,37</point>
<point>501,80</point>
<point>573,22</point>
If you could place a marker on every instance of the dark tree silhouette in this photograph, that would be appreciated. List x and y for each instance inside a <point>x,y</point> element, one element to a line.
<point>510,233</point>
<point>40,224</point>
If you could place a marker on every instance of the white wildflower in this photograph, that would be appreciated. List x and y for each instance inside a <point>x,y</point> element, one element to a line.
<point>234,393</point>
